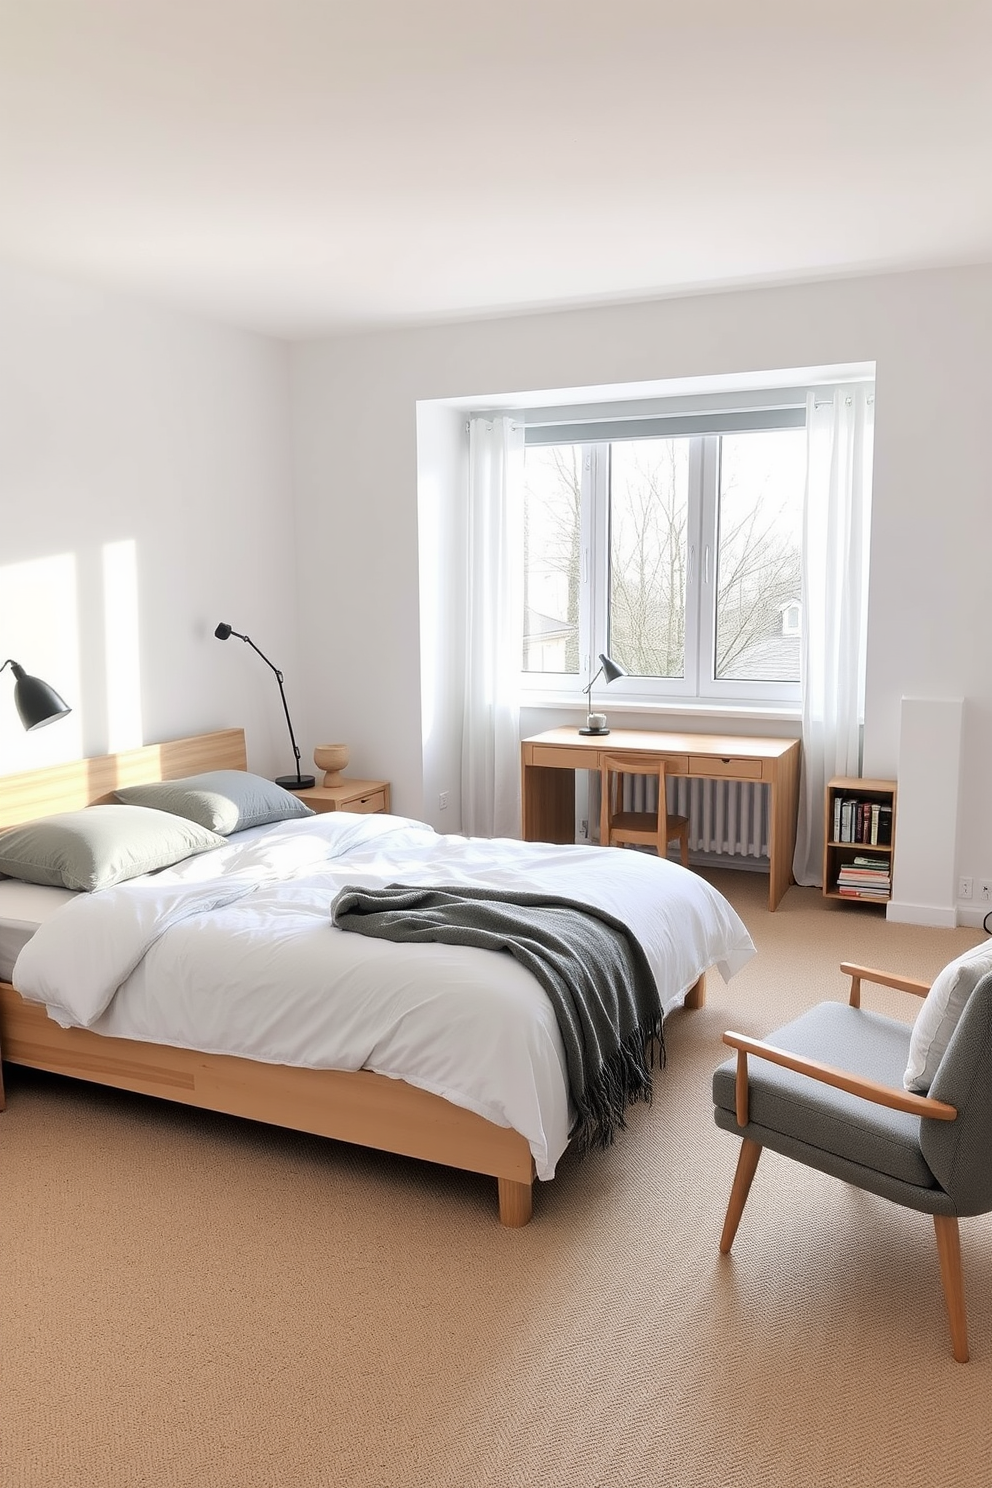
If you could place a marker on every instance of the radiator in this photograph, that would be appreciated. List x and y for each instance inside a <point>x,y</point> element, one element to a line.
<point>726,817</point>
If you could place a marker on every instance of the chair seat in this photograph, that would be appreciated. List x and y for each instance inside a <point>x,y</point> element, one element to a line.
<point>645,824</point>
<point>824,1119</point>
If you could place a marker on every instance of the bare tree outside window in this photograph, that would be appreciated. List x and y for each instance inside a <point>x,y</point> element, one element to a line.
<point>649,506</point>
<point>762,481</point>
<point>552,512</point>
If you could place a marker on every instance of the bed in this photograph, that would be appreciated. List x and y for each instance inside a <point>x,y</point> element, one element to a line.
<point>413,1092</point>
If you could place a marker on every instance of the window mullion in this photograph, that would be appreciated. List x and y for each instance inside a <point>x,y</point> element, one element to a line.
<point>596,511</point>
<point>697,632</point>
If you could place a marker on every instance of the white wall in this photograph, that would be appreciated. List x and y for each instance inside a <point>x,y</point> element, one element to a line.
<point>928,333</point>
<point>145,493</point>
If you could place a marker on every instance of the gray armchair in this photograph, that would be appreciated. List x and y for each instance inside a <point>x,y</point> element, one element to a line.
<point>828,1091</point>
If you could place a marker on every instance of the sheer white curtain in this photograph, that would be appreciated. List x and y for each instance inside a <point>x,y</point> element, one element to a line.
<point>839,433</point>
<point>493,630</point>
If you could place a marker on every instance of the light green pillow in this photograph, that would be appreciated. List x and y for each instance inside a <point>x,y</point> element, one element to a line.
<point>99,846</point>
<point>223,801</point>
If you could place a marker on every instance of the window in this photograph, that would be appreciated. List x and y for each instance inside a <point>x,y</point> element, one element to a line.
<point>673,543</point>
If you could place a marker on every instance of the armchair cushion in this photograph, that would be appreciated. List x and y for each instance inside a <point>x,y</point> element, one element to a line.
<point>938,1017</point>
<point>823,1118</point>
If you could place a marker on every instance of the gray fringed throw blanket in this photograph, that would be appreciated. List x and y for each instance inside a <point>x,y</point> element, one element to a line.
<point>595,972</point>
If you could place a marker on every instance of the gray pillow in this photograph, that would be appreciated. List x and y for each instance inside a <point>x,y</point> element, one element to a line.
<point>223,801</point>
<point>99,846</point>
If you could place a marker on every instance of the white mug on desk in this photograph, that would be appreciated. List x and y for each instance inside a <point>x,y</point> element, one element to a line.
<point>596,721</point>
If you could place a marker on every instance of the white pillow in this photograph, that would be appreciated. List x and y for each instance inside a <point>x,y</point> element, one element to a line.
<point>938,1017</point>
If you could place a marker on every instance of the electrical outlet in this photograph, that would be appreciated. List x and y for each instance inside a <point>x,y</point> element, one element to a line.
<point>966,888</point>
<point>985,889</point>
<point>442,801</point>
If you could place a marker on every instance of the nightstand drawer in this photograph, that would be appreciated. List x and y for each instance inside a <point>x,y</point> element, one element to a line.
<point>374,801</point>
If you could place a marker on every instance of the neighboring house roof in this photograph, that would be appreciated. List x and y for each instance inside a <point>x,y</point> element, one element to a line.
<point>544,627</point>
<point>772,659</point>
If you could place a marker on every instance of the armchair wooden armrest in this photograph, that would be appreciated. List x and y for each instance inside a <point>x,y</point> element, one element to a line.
<point>882,1095</point>
<point>859,974</point>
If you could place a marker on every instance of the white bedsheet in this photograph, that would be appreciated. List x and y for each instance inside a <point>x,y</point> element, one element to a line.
<point>23,906</point>
<point>233,952</point>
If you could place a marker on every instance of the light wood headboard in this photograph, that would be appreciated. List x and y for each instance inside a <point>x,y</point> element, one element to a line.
<point>87,782</point>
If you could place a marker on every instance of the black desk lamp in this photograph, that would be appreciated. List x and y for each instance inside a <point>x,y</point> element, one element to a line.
<point>35,701</point>
<point>288,782</point>
<point>611,670</point>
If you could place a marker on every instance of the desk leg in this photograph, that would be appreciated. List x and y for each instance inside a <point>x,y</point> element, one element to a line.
<point>784,817</point>
<point>547,804</point>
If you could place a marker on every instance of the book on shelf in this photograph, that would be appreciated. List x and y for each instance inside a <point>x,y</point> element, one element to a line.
<point>884,837</point>
<point>867,822</point>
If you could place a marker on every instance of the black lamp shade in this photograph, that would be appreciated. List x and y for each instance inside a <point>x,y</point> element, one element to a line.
<point>36,702</point>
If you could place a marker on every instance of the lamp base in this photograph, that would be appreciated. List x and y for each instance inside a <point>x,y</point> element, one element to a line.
<point>294,783</point>
<point>598,733</point>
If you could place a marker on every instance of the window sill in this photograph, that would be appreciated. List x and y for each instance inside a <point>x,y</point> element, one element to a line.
<point>689,707</point>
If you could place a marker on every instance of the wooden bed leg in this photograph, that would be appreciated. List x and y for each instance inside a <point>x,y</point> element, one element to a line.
<point>516,1202</point>
<point>696,995</point>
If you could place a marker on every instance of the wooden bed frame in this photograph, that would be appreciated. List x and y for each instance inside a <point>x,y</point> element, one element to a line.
<point>360,1107</point>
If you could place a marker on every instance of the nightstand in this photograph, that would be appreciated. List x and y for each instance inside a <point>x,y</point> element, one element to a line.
<point>350,795</point>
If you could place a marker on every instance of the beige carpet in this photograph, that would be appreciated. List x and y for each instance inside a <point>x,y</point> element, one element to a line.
<point>193,1300</point>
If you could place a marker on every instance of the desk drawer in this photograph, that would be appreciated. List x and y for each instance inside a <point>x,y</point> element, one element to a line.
<point>715,766</point>
<point>564,759</point>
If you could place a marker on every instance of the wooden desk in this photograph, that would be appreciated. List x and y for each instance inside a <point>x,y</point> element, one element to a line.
<point>549,761</point>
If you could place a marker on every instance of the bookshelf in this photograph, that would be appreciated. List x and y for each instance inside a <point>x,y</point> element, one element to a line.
<point>857,869</point>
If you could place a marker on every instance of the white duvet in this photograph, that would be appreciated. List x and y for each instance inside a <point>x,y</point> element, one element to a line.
<point>234,952</point>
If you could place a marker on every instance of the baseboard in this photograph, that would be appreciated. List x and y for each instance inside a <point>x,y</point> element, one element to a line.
<point>737,861</point>
<point>974,915</point>
<point>922,914</point>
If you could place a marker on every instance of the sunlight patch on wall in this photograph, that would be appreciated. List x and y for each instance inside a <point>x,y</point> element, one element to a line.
<point>39,627</point>
<point>121,648</point>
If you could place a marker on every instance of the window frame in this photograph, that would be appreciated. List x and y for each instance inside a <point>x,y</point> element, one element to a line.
<point>702,420</point>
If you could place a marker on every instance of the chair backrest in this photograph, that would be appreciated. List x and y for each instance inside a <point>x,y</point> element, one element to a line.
<point>958,1155</point>
<point>613,767</point>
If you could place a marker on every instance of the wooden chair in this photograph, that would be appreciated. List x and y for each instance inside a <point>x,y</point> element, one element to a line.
<point>640,828</point>
<point>827,1091</point>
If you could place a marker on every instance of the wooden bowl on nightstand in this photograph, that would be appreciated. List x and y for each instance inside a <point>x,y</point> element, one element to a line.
<point>332,759</point>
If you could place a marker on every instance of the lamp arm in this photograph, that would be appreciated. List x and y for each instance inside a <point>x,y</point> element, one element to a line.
<point>282,693</point>
<point>588,687</point>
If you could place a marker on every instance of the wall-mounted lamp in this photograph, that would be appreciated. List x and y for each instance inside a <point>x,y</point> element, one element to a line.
<point>35,701</point>
<point>288,782</point>
<point>611,670</point>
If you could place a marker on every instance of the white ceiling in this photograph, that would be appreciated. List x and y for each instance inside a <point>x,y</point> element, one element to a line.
<point>309,166</point>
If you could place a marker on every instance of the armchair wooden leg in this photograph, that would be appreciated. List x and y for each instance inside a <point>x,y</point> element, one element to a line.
<point>746,1164</point>
<point>949,1251</point>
